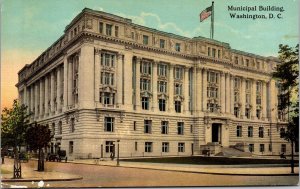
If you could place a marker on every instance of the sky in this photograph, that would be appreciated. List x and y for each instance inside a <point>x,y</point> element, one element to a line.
<point>28,27</point>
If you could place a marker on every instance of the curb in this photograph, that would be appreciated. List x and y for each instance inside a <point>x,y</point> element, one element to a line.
<point>195,172</point>
<point>38,179</point>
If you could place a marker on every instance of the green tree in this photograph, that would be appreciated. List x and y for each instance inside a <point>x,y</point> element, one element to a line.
<point>13,127</point>
<point>287,74</point>
<point>37,137</point>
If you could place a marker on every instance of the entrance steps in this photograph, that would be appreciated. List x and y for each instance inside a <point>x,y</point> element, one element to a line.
<point>232,152</point>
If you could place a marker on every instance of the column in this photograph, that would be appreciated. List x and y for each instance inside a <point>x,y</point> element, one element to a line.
<point>36,100</point>
<point>41,98</point>
<point>227,92</point>
<point>52,92</point>
<point>223,92</point>
<point>58,95</point>
<point>198,89</point>
<point>264,101</point>
<point>171,88</point>
<point>204,90</point>
<point>232,94</point>
<point>24,96</point>
<point>32,98</point>
<point>46,95</point>
<point>154,88</point>
<point>253,100</point>
<point>272,100</point>
<point>70,84</point>
<point>128,88</point>
<point>243,97</point>
<point>137,83</point>
<point>65,95</point>
<point>97,75</point>
<point>186,90</point>
<point>119,79</point>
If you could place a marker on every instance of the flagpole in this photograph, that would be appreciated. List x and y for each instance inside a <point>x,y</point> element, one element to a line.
<point>212,22</point>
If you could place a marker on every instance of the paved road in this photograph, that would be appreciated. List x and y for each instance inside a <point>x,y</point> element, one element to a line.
<point>106,176</point>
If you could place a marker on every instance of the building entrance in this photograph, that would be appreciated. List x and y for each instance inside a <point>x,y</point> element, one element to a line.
<point>216,132</point>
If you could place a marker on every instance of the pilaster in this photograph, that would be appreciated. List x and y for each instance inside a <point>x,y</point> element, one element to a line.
<point>52,92</point>
<point>198,80</point>
<point>154,88</point>
<point>243,97</point>
<point>119,79</point>
<point>204,90</point>
<point>46,95</point>
<point>253,100</point>
<point>264,101</point>
<point>137,84</point>
<point>227,93</point>
<point>186,90</point>
<point>171,88</point>
<point>223,92</point>
<point>58,95</point>
<point>42,106</point>
<point>232,94</point>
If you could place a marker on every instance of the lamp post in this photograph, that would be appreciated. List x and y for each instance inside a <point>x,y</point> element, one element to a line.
<point>118,160</point>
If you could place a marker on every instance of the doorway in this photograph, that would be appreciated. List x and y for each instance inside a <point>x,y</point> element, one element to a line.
<point>216,132</point>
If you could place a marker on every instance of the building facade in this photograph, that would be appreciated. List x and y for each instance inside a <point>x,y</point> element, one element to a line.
<point>160,94</point>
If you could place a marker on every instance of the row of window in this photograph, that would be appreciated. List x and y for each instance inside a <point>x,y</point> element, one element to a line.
<point>262,148</point>
<point>146,69</point>
<point>247,63</point>
<point>108,29</point>
<point>247,112</point>
<point>161,104</point>
<point>239,131</point>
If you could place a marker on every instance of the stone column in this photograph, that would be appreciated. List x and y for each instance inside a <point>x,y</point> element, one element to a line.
<point>32,93</point>
<point>243,97</point>
<point>36,100</point>
<point>46,95</point>
<point>227,93</point>
<point>70,83</point>
<point>137,84</point>
<point>232,94</point>
<point>119,79</point>
<point>223,92</point>
<point>41,98</point>
<point>128,88</point>
<point>52,92</point>
<point>186,90</point>
<point>198,88</point>
<point>97,75</point>
<point>154,88</point>
<point>264,101</point>
<point>58,99</point>
<point>273,101</point>
<point>253,100</point>
<point>65,92</point>
<point>171,88</point>
<point>204,90</point>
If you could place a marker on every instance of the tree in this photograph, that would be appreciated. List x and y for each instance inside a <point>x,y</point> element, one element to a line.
<point>37,137</point>
<point>14,124</point>
<point>287,73</point>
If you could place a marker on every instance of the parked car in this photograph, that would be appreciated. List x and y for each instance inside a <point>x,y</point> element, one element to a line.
<point>61,155</point>
<point>52,157</point>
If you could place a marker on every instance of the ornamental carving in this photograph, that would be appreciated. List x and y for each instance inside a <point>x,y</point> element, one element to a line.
<point>146,94</point>
<point>108,89</point>
<point>127,32</point>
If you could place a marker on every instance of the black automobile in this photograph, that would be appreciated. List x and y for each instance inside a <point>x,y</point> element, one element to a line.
<point>52,157</point>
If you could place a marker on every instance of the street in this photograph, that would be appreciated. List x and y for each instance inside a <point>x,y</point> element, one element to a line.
<point>107,176</point>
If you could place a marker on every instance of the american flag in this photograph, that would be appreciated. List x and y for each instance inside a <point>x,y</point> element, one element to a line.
<point>205,13</point>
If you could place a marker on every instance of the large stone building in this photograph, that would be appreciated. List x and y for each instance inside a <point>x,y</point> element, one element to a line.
<point>160,94</point>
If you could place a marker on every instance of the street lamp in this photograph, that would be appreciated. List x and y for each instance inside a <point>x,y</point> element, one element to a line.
<point>118,160</point>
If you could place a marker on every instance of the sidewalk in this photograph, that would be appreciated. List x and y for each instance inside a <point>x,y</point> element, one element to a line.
<point>246,170</point>
<point>30,174</point>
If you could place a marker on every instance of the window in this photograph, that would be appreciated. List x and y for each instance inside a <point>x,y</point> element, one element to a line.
<point>164,127</point>
<point>180,128</point>
<point>135,146</point>
<point>71,147</point>
<point>236,60</point>
<point>213,77</point>
<point>211,107</point>
<point>248,85</point>
<point>109,124</point>
<point>219,53</point>
<point>236,111</point>
<point>178,106</point>
<point>147,126</point>
<point>59,128</point>
<point>53,128</point>
<point>180,147</point>
<point>270,147</point>
<point>165,147</point>
<point>108,29</point>
<point>258,65</point>
<point>247,113</point>
<point>162,70</point>
<point>258,86</point>
<point>145,85</point>
<point>107,78</point>
<point>146,68</point>
<point>213,52</point>
<point>258,100</point>
<point>162,105</point>
<point>250,131</point>
<point>109,146</point>
<point>162,87</point>
<point>116,31</point>
<point>236,82</point>
<point>145,39</point>
<point>283,148</point>
<point>107,59</point>
<point>261,132</point>
<point>208,51</point>
<point>178,89</point>
<point>148,146</point>
<point>101,27</point>
<point>72,125</point>
<point>247,62</point>
<point>191,129</point>
<point>145,103</point>
<point>134,125</point>
<point>258,114</point>
<point>239,131</point>
<point>178,73</point>
<point>261,147</point>
<point>132,35</point>
<point>248,98</point>
<point>107,98</point>
<point>251,147</point>
<point>282,132</point>
<point>212,92</point>
<point>162,43</point>
<point>177,47</point>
